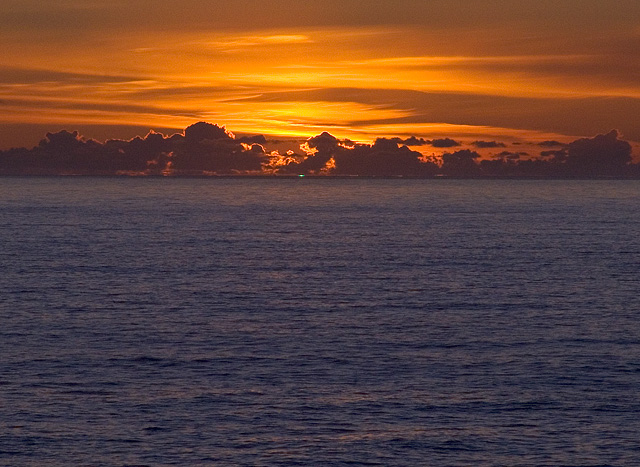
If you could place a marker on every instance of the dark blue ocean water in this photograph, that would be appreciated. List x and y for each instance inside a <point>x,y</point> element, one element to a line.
<point>319,322</point>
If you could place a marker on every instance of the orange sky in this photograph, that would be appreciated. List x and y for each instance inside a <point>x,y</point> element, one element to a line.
<point>495,70</point>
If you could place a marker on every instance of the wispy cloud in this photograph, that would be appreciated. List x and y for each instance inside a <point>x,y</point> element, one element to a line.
<point>434,61</point>
<point>288,67</point>
<point>235,43</point>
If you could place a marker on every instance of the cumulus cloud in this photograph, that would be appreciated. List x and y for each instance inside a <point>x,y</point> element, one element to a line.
<point>436,143</point>
<point>414,141</point>
<point>326,154</point>
<point>559,154</point>
<point>411,141</point>
<point>551,144</point>
<point>511,155</point>
<point>201,148</point>
<point>258,139</point>
<point>444,143</point>
<point>461,163</point>
<point>324,142</point>
<point>603,155</point>
<point>207,149</point>
<point>488,144</point>
<point>203,131</point>
<point>383,158</point>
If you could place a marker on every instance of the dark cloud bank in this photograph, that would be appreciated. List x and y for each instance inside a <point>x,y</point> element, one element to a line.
<point>206,149</point>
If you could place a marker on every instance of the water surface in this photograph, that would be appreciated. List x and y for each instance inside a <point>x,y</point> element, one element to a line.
<point>319,322</point>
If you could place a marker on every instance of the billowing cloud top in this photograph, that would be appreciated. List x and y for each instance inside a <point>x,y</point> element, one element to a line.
<point>208,149</point>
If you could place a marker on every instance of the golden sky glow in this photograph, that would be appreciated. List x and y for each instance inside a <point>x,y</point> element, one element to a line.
<point>499,69</point>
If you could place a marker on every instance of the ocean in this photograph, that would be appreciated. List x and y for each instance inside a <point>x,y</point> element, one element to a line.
<point>319,321</point>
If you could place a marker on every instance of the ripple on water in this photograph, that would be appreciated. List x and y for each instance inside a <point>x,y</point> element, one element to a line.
<point>281,322</point>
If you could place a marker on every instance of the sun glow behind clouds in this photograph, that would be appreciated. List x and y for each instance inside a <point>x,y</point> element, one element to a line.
<point>174,79</point>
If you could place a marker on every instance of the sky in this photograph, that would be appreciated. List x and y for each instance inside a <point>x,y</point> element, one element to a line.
<point>514,71</point>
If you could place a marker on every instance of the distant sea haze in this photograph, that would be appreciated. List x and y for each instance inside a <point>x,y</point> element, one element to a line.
<point>318,321</point>
<point>206,149</point>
